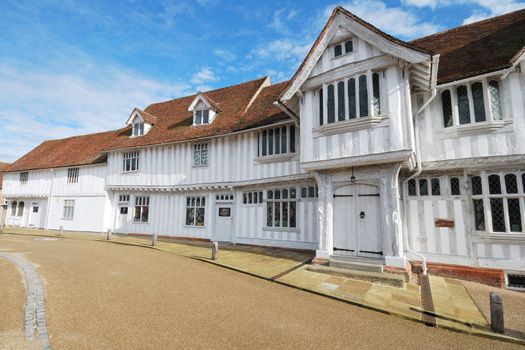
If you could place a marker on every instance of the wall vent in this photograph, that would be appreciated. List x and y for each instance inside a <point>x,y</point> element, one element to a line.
<point>515,280</point>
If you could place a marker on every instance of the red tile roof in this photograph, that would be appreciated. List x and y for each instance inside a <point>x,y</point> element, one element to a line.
<point>3,166</point>
<point>71,151</point>
<point>477,48</point>
<point>174,121</point>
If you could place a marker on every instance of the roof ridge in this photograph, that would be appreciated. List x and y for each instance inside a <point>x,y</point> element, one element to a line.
<point>466,25</point>
<point>214,90</point>
<point>82,135</point>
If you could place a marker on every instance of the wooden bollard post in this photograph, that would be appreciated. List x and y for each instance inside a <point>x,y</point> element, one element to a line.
<point>215,251</point>
<point>108,237</point>
<point>60,229</point>
<point>154,240</point>
<point>497,323</point>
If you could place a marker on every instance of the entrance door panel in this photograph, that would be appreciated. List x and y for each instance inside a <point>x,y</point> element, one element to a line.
<point>345,238</point>
<point>35,215</point>
<point>121,224</point>
<point>356,221</point>
<point>223,222</point>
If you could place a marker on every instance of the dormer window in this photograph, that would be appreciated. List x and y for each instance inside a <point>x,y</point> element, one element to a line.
<point>201,116</point>
<point>138,129</point>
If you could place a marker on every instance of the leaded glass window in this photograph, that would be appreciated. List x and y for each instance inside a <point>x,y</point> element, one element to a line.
<point>281,208</point>
<point>511,184</point>
<point>479,103</point>
<point>454,186</point>
<point>436,190</point>
<point>477,187</point>
<point>479,215</point>
<point>330,103</point>
<point>423,187</point>
<point>495,102</point>
<point>321,107</point>
<point>341,101</point>
<point>498,214</point>
<point>351,99</point>
<point>412,187</point>
<point>141,209</point>
<point>195,211</point>
<point>463,105</point>
<point>363,97</point>
<point>446,104</point>
<point>494,184</point>
<point>200,154</point>
<point>338,50</point>
<point>514,214</point>
<point>376,98</point>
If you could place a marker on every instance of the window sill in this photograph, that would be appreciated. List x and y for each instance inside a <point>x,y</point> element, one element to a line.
<point>200,166</point>
<point>193,227</point>
<point>140,222</point>
<point>348,125</point>
<point>500,237</point>
<point>131,172</point>
<point>282,229</point>
<point>476,128</point>
<point>275,158</point>
<point>346,54</point>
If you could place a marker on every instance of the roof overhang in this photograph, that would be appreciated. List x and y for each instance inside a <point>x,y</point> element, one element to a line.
<point>206,100</point>
<point>136,112</point>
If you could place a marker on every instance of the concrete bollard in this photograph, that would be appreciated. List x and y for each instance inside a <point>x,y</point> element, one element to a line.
<point>108,235</point>
<point>497,323</point>
<point>60,230</point>
<point>154,240</point>
<point>215,251</point>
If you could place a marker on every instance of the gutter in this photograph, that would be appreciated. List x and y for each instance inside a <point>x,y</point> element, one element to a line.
<point>433,82</point>
<point>288,112</point>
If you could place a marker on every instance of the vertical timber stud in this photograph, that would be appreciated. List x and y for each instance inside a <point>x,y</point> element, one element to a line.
<point>496,313</point>
<point>154,240</point>
<point>215,251</point>
<point>109,235</point>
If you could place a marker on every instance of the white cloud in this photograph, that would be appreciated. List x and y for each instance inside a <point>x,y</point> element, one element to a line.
<point>39,105</point>
<point>482,8</point>
<point>396,21</point>
<point>224,54</point>
<point>204,75</point>
<point>282,50</point>
<point>280,20</point>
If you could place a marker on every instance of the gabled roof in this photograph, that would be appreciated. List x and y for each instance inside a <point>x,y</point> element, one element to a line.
<point>206,99</point>
<point>71,151</point>
<point>477,48</point>
<point>148,118</point>
<point>174,121</point>
<point>305,67</point>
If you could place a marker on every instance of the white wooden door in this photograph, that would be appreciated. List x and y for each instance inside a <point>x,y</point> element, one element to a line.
<point>223,222</point>
<point>369,216</point>
<point>356,221</point>
<point>121,224</point>
<point>345,237</point>
<point>34,215</point>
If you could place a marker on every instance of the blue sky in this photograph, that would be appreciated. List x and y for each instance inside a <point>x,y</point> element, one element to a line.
<point>74,67</point>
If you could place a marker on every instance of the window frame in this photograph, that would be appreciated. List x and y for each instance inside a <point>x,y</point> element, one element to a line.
<point>287,203</point>
<point>328,103</point>
<point>73,175</point>
<point>490,199</point>
<point>268,147</point>
<point>201,148</point>
<point>492,110</point>
<point>68,209</point>
<point>199,120</point>
<point>23,177</point>
<point>194,203</point>
<point>127,158</point>
<point>343,45</point>
<point>142,203</point>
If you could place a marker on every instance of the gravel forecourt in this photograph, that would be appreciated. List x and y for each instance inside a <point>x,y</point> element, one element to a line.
<point>101,295</point>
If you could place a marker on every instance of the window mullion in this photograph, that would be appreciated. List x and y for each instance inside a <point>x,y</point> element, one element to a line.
<point>486,202</point>
<point>336,101</point>
<point>455,110</point>
<point>347,108</point>
<point>325,104</point>
<point>506,214</point>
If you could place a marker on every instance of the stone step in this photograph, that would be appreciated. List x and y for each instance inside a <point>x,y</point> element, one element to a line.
<point>354,265</point>
<point>376,277</point>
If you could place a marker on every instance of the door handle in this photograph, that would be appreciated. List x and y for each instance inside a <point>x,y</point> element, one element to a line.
<point>362,215</point>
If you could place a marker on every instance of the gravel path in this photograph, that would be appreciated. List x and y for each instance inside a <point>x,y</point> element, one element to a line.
<point>101,295</point>
<point>34,310</point>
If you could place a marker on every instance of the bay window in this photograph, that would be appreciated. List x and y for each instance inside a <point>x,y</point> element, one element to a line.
<point>357,96</point>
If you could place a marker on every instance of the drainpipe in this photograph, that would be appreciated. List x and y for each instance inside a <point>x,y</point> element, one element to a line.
<point>49,198</point>
<point>435,61</point>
